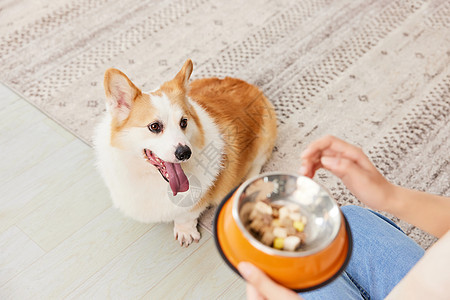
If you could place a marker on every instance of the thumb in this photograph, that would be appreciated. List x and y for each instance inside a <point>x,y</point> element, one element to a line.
<point>263,284</point>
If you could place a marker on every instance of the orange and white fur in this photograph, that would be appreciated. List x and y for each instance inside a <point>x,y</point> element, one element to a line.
<point>218,131</point>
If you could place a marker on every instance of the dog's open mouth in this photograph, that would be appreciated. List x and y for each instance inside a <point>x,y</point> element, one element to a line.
<point>171,172</point>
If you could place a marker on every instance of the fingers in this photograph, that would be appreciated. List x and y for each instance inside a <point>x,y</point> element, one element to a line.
<point>342,167</point>
<point>262,285</point>
<point>331,143</point>
<point>308,168</point>
<point>330,146</point>
<point>315,148</point>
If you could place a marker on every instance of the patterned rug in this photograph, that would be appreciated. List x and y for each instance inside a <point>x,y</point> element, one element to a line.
<point>373,72</point>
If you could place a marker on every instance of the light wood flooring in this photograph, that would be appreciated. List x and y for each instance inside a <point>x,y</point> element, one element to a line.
<point>61,239</point>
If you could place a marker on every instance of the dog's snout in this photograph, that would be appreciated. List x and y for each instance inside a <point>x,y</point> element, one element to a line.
<point>183,152</point>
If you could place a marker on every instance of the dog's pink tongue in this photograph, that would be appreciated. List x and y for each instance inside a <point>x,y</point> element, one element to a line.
<point>177,179</point>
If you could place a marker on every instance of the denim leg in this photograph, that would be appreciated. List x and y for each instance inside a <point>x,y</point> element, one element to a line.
<point>342,288</point>
<point>382,254</point>
<point>386,219</point>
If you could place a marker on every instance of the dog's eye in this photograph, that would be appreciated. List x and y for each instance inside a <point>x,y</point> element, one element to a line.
<point>155,127</point>
<point>183,123</point>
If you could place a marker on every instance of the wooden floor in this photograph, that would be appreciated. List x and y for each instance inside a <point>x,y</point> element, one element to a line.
<point>60,237</point>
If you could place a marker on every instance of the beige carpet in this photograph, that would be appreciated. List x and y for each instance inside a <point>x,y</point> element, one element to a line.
<point>374,72</point>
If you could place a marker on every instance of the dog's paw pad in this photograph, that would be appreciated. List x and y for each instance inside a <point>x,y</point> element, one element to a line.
<point>186,233</point>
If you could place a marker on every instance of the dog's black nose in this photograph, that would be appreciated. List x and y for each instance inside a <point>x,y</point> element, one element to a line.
<point>183,152</point>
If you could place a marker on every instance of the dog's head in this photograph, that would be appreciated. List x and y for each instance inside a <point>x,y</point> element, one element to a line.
<point>160,126</point>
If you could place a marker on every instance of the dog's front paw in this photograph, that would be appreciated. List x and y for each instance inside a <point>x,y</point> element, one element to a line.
<point>186,233</point>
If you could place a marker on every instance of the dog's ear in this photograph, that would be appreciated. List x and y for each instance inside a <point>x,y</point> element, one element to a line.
<point>185,73</point>
<point>120,93</point>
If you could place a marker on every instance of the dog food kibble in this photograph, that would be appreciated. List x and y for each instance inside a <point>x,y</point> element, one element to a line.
<point>291,243</point>
<point>299,225</point>
<point>278,243</point>
<point>278,226</point>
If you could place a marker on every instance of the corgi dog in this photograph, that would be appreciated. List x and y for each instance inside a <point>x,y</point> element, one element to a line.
<point>168,154</point>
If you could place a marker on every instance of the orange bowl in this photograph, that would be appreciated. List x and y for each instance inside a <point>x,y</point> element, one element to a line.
<point>328,244</point>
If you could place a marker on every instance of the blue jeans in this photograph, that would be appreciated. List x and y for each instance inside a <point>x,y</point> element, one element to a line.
<point>382,255</point>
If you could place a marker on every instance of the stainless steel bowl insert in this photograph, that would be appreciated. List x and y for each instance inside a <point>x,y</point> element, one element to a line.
<point>322,212</point>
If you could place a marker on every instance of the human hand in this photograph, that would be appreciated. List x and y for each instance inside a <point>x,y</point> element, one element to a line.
<point>352,166</point>
<point>260,286</point>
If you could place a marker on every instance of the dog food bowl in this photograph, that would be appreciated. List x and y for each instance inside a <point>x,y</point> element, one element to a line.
<point>327,246</point>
